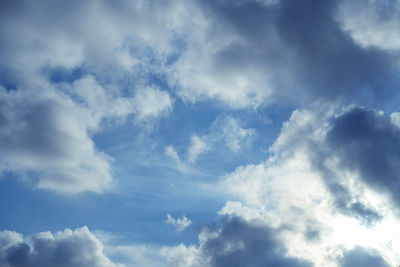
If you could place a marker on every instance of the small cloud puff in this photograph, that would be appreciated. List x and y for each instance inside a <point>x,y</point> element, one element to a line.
<point>179,224</point>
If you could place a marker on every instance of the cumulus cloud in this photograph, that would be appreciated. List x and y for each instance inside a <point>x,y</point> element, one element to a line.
<point>247,53</point>
<point>363,257</point>
<point>74,70</point>
<point>371,22</point>
<point>242,53</point>
<point>366,142</point>
<point>317,201</point>
<point>179,224</point>
<point>236,243</point>
<point>328,184</point>
<point>76,248</point>
<point>46,136</point>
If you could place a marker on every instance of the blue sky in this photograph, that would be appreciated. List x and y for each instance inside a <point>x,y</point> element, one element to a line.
<point>199,133</point>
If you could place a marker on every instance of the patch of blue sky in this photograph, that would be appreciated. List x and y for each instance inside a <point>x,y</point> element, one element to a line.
<point>152,185</point>
<point>137,217</point>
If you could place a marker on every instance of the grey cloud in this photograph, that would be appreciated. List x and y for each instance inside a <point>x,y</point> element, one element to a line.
<point>64,249</point>
<point>362,257</point>
<point>343,199</point>
<point>285,48</point>
<point>240,243</point>
<point>327,60</point>
<point>45,135</point>
<point>368,143</point>
<point>244,53</point>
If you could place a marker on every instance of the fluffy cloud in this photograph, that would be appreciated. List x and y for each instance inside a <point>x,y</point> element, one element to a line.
<point>328,185</point>
<point>237,243</point>
<point>371,22</point>
<point>179,224</point>
<point>242,53</point>
<point>362,257</point>
<point>151,102</point>
<point>45,136</point>
<point>68,248</point>
<point>78,65</point>
<point>248,53</point>
<point>321,199</point>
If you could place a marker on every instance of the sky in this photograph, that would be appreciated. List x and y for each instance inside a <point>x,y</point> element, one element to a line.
<point>240,133</point>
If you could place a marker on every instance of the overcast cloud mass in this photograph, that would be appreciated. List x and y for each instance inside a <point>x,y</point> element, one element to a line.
<point>199,133</point>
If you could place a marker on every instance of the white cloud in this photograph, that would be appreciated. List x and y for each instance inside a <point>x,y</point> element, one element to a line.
<point>184,256</point>
<point>229,130</point>
<point>69,248</point>
<point>304,188</point>
<point>179,224</point>
<point>137,255</point>
<point>371,22</point>
<point>171,152</point>
<point>47,125</point>
<point>224,132</point>
<point>46,135</point>
<point>197,146</point>
<point>151,103</point>
<point>316,207</point>
<point>395,118</point>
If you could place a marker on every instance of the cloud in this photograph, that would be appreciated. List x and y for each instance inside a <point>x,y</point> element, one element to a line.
<point>249,54</point>
<point>76,248</point>
<point>138,255</point>
<point>242,53</point>
<point>45,136</point>
<point>179,224</point>
<point>69,35</point>
<point>237,243</point>
<point>330,183</point>
<point>362,257</point>
<point>197,147</point>
<point>371,22</point>
<point>171,152</point>
<point>59,86</point>
<point>151,103</point>
<point>225,132</point>
<point>367,142</point>
<point>229,130</point>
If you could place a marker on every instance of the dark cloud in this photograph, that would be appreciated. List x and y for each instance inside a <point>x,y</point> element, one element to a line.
<point>343,199</point>
<point>300,46</point>
<point>368,143</point>
<point>78,248</point>
<point>362,257</point>
<point>243,244</point>
<point>327,61</point>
